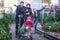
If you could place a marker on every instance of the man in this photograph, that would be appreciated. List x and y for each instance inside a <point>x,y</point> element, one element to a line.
<point>19,11</point>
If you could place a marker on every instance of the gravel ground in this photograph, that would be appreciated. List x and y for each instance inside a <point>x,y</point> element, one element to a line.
<point>34,36</point>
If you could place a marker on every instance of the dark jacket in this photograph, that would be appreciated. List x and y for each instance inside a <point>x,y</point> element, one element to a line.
<point>38,13</point>
<point>19,11</point>
<point>29,10</point>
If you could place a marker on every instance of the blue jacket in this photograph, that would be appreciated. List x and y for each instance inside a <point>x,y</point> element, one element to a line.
<point>30,11</point>
<point>19,11</point>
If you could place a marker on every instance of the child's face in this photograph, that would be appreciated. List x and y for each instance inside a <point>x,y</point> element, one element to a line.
<point>28,19</point>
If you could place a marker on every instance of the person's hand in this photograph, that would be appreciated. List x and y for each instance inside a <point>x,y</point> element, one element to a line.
<point>26,10</point>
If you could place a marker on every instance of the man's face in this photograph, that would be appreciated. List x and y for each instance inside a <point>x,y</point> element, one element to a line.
<point>21,4</point>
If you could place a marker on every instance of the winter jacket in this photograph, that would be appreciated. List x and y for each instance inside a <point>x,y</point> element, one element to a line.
<point>19,11</point>
<point>38,13</point>
<point>28,23</point>
<point>30,11</point>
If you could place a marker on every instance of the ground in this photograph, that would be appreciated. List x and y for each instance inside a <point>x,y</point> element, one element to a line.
<point>35,36</point>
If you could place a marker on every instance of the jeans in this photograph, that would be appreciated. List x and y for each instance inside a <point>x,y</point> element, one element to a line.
<point>35,24</point>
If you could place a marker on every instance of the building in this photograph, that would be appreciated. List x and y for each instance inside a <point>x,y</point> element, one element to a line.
<point>1,3</point>
<point>51,2</point>
<point>9,4</point>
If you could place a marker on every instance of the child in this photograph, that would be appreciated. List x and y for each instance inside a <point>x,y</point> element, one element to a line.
<point>27,26</point>
<point>28,22</point>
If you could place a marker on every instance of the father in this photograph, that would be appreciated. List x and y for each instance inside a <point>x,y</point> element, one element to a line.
<point>19,11</point>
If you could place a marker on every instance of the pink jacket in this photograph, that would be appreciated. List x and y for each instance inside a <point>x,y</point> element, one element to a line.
<point>28,23</point>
